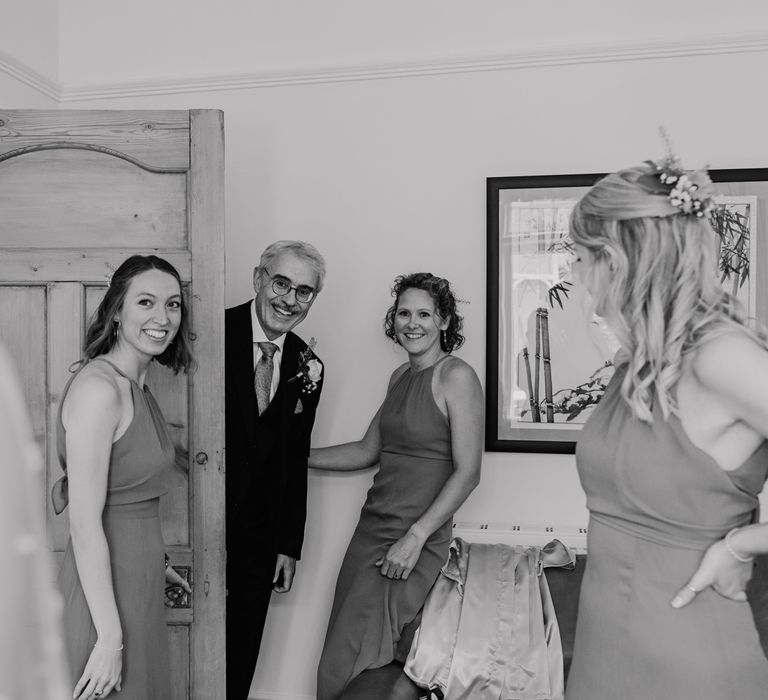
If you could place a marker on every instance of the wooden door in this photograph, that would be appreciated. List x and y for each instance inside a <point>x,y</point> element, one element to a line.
<point>80,191</point>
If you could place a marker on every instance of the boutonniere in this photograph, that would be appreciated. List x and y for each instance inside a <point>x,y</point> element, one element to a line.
<point>310,369</point>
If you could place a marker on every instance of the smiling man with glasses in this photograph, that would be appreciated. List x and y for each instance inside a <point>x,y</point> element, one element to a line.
<point>273,384</point>
<point>282,286</point>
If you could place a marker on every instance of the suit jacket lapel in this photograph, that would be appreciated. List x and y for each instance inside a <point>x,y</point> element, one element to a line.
<point>244,369</point>
<point>288,367</point>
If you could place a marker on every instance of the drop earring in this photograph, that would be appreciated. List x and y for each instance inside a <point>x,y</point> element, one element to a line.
<point>115,327</point>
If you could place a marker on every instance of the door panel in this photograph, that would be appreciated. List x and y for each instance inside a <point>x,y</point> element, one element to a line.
<point>84,265</point>
<point>80,191</point>
<point>179,645</point>
<point>155,139</point>
<point>78,187</point>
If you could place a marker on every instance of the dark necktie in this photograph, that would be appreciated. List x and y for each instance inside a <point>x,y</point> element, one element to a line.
<point>262,377</point>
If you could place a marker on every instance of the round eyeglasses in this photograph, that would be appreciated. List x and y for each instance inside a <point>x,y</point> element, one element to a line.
<point>282,286</point>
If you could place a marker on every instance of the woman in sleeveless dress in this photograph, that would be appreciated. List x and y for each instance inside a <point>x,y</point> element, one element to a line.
<point>427,439</point>
<point>675,454</point>
<point>113,445</point>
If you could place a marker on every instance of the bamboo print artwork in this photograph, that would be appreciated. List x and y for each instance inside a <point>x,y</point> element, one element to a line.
<point>732,227</point>
<point>531,398</point>
<point>541,357</point>
<point>536,365</point>
<point>554,356</point>
<point>544,315</point>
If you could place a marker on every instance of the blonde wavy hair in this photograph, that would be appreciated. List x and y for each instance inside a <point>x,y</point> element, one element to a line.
<point>656,284</point>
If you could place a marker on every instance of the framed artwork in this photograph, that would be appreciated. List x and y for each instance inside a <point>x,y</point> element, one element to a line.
<point>548,357</point>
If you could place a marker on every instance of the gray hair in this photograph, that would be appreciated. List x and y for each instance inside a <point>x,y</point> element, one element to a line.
<point>301,249</point>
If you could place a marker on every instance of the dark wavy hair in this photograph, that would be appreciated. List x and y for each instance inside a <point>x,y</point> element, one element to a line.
<point>440,290</point>
<point>100,337</point>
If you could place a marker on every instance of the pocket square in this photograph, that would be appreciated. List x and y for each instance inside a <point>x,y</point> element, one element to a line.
<point>299,407</point>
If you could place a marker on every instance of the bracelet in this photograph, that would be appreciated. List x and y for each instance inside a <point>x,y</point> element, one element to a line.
<point>114,651</point>
<point>733,552</point>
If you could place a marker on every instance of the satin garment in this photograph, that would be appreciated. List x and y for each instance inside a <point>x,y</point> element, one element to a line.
<point>656,503</point>
<point>489,629</point>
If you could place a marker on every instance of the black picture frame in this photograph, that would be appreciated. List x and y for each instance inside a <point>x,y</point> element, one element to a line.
<point>531,438</point>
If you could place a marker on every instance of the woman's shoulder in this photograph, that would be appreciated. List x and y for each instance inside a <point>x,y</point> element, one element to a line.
<point>97,386</point>
<point>726,357</point>
<point>455,376</point>
<point>454,369</point>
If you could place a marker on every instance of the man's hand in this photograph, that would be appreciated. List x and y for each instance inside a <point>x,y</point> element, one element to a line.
<point>285,569</point>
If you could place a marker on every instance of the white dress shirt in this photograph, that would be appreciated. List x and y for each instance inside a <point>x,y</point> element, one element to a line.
<point>260,337</point>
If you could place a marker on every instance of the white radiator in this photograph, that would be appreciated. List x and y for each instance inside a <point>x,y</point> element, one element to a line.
<point>523,534</point>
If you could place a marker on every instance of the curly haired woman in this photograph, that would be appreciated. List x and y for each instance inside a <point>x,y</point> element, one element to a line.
<point>427,439</point>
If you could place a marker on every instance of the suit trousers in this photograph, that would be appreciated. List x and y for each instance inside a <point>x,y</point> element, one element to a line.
<point>249,590</point>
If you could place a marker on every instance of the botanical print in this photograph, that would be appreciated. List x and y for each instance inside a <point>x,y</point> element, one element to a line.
<point>555,355</point>
<point>734,220</point>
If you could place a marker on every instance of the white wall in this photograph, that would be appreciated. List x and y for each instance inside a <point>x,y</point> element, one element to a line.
<point>15,94</point>
<point>388,176</point>
<point>29,32</point>
<point>29,53</point>
<point>190,37</point>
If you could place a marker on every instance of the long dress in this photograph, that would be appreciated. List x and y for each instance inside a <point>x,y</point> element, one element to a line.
<point>373,618</point>
<point>136,552</point>
<point>656,503</point>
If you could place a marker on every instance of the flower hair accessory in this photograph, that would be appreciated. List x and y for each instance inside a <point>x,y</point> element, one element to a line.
<point>310,370</point>
<point>688,190</point>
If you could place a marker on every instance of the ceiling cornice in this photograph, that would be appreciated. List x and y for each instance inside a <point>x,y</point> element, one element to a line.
<point>24,74</point>
<point>539,58</point>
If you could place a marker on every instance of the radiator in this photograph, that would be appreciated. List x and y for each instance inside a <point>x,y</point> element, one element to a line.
<point>522,534</point>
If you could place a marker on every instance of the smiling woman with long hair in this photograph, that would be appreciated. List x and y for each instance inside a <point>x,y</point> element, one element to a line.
<point>114,446</point>
<point>427,440</point>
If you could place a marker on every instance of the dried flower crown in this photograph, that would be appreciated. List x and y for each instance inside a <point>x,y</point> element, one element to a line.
<point>690,191</point>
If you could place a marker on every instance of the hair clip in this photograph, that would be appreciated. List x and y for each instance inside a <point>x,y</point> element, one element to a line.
<point>688,190</point>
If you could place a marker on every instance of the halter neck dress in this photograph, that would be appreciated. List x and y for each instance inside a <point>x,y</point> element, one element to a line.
<point>136,551</point>
<point>656,502</point>
<point>373,618</point>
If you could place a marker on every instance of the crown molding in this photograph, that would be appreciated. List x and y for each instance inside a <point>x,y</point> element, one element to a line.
<point>539,58</point>
<point>24,74</point>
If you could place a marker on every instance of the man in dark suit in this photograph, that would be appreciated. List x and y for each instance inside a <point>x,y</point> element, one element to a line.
<point>273,383</point>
